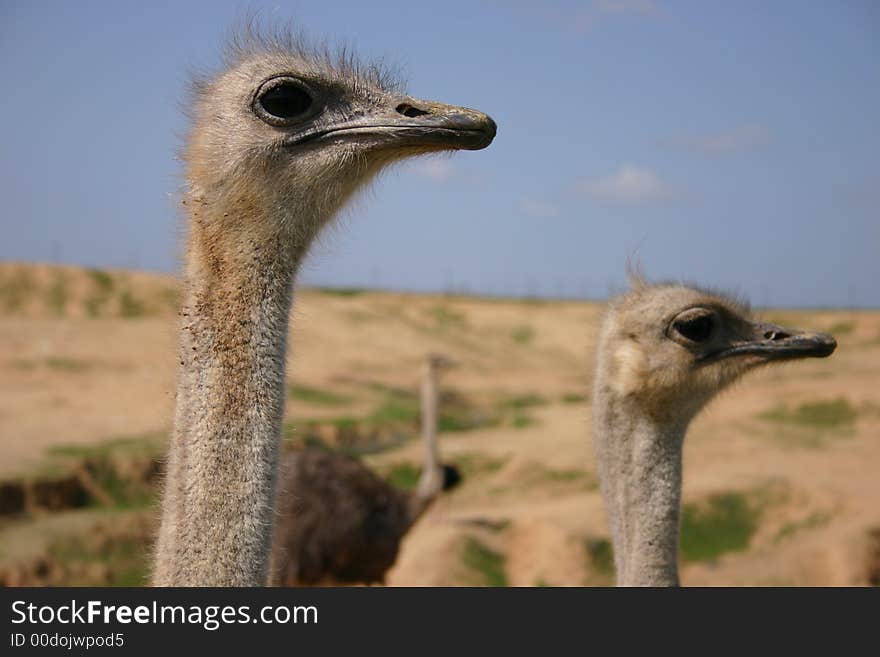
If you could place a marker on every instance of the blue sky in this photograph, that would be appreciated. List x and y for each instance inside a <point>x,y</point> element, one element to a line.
<point>733,144</point>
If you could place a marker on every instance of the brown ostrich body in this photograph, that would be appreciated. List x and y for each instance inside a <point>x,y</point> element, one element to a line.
<point>338,522</point>
<point>346,529</point>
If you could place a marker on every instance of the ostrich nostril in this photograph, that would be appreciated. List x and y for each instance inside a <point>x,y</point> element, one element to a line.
<point>409,111</point>
<point>776,335</point>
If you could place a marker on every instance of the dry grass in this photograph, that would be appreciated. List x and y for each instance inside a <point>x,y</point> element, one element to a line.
<point>86,356</point>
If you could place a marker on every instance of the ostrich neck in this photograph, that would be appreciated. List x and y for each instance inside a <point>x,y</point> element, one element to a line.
<point>640,469</point>
<point>431,481</point>
<point>222,465</point>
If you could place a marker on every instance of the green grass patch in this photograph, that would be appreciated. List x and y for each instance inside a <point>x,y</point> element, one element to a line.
<point>345,422</point>
<point>498,526</point>
<point>564,475</point>
<point>56,295</point>
<point>101,280</point>
<point>829,414</point>
<point>397,406</point>
<point>452,423</point>
<point>88,558</point>
<point>121,468</point>
<point>521,421</point>
<point>457,413</point>
<point>354,437</point>
<point>15,289</point>
<point>513,409</point>
<point>401,407</point>
<point>600,556</point>
<point>523,334</point>
<point>455,420</point>
<point>68,364</point>
<point>385,389</point>
<point>459,422</point>
<point>724,523</point>
<point>475,464</point>
<point>147,444</point>
<point>299,435</point>
<point>519,402</point>
<point>317,396</point>
<point>129,306</point>
<point>484,562</point>
<point>102,289</point>
<point>394,419</point>
<point>537,474</point>
<point>573,398</point>
<point>341,291</point>
<point>396,410</point>
<point>404,475</point>
<point>817,519</point>
<point>446,317</point>
<point>93,305</point>
<point>126,492</point>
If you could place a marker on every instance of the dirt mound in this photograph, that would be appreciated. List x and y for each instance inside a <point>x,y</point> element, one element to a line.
<point>543,554</point>
<point>42,291</point>
<point>106,480</point>
<point>873,560</point>
<point>105,554</point>
<point>87,357</point>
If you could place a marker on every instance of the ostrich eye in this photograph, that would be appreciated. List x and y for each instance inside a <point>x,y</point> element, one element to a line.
<point>697,329</point>
<point>282,102</point>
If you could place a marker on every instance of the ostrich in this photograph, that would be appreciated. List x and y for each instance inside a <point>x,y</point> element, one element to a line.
<point>341,524</point>
<point>281,139</point>
<point>664,351</point>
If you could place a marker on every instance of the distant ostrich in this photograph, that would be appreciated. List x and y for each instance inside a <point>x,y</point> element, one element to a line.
<point>664,351</point>
<point>281,140</point>
<point>341,524</point>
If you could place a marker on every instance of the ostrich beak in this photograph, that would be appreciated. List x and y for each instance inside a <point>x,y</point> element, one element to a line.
<point>771,343</point>
<point>424,122</point>
<point>409,122</point>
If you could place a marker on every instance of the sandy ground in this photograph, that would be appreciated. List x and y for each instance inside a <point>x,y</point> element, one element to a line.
<point>77,371</point>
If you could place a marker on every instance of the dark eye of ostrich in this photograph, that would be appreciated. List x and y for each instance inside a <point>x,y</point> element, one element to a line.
<point>697,329</point>
<point>282,101</point>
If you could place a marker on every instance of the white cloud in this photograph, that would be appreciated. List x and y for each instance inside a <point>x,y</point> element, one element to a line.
<point>538,209</point>
<point>744,138</point>
<point>630,185</point>
<point>435,170</point>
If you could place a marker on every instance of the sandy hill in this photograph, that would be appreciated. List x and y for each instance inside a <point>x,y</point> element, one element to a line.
<point>780,483</point>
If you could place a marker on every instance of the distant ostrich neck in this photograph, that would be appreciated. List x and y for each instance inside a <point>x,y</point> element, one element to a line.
<point>218,517</point>
<point>431,481</point>
<point>641,459</point>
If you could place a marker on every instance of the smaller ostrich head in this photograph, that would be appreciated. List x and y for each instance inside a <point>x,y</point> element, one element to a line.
<point>451,476</point>
<point>668,348</point>
<point>439,363</point>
